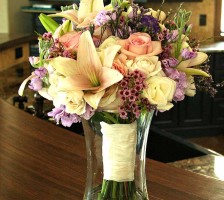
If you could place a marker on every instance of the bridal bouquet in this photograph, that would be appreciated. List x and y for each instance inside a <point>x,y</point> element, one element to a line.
<point>114,63</point>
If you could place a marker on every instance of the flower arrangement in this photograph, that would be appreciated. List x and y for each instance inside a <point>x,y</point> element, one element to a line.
<point>116,62</point>
<point>120,59</point>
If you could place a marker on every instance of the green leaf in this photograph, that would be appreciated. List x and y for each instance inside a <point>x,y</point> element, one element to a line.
<point>49,24</point>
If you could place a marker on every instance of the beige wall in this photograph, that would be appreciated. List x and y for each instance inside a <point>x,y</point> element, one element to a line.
<point>4,25</point>
<point>206,7</point>
<point>12,19</point>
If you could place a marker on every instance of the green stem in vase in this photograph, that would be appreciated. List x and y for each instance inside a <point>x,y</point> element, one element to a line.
<point>106,189</point>
<point>114,190</point>
<point>126,189</point>
<point>121,191</point>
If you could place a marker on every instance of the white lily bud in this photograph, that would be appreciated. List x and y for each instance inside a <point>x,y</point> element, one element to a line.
<point>191,89</point>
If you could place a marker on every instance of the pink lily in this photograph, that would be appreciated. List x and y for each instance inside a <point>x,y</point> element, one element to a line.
<point>85,12</point>
<point>89,73</point>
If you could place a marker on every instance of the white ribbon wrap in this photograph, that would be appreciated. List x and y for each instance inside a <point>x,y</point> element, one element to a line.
<point>118,150</point>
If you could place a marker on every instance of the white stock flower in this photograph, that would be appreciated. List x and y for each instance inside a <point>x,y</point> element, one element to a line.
<point>160,92</point>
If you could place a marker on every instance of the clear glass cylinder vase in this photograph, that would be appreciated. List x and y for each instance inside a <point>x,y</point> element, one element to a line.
<point>97,186</point>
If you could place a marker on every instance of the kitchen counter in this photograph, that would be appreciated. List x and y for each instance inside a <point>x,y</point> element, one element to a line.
<point>40,160</point>
<point>213,47</point>
<point>208,165</point>
<point>9,40</point>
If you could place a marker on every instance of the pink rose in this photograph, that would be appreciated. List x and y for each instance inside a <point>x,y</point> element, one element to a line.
<point>70,40</point>
<point>140,44</point>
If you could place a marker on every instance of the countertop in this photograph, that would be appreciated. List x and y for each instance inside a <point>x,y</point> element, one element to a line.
<point>213,47</point>
<point>10,40</point>
<point>40,160</point>
<point>208,165</point>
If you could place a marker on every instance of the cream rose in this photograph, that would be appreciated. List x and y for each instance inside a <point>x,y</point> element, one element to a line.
<point>150,65</point>
<point>160,91</point>
<point>139,44</point>
<point>74,102</point>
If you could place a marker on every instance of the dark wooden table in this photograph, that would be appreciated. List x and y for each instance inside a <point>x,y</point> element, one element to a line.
<point>40,161</point>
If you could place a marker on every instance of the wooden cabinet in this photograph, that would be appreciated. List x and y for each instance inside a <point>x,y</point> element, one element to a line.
<point>198,115</point>
<point>14,55</point>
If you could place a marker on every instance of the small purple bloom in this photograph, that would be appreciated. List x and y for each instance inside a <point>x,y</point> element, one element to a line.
<point>32,60</point>
<point>36,84</point>
<point>89,112</point>
<point>179,94</point>
<point>40,72</point>
<point>101,18</point>
<point>172,73</point>
<point>186,54</point>
<point>151,23</point>
<point>66,119</point>
<point>172,36</point>
<point>47,36</point>
<point>114,16</point>
<point>57,113</point>
<point>170,62</point>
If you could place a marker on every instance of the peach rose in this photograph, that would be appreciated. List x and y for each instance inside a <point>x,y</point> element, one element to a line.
<point>119,66</point>
<point>70,40</point>
<point>140,44</point>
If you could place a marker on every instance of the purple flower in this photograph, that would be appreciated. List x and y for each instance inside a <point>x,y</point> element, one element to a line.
<point>181,82</point>
<point>151,23</point>
<point>36,84</point>
<point>170,62</point>
<point>101,18</point>
<point>47,36</point>
<point>172,37</point>
<point>66,119</point>
<point>186,54</point>
<point>179,94</point>
<point>40,72</point>
<point>89,112</point>
<point>32,60</point>
<point>57,113</point>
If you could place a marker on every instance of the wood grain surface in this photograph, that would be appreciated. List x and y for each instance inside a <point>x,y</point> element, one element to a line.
<point>40,161</point>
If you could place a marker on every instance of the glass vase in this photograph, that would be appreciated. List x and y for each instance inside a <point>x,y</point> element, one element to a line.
<point>117,186</point>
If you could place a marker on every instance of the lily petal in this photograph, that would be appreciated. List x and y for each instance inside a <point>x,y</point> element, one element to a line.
<point>88,6</point>
<point>93,99</point>
<point>88,61</point>
<point>76,82</point>
<point>193,71</point>
<point>109,77</point>
<point>64,66</point>
<point>200,58</point>
<point>68,14</point>
<point>44,93</point>
<point>108,55</point>
<point>23,85</point>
